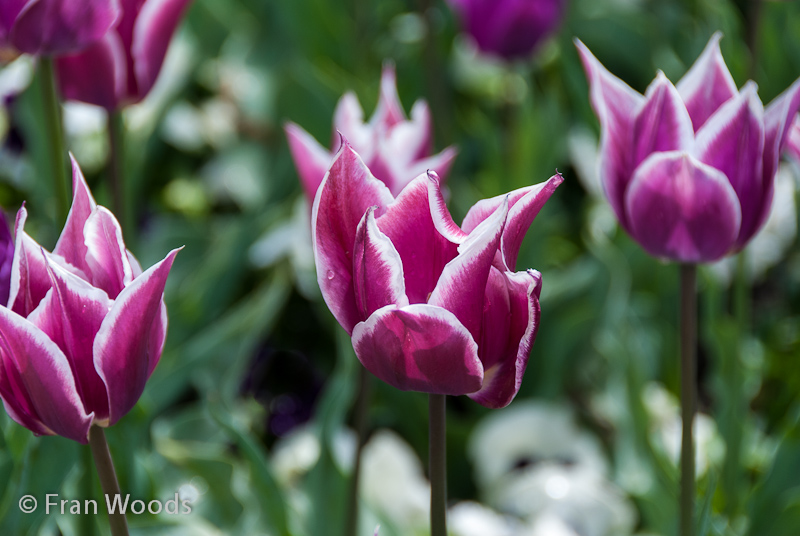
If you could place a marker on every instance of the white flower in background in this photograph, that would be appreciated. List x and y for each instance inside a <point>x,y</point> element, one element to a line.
<point>664,413</point>
<point>549,525</point>
<point>474,519</point>
<point>85,128</point>
<point>14,78</point>
<point>774,240</point>
<point>532,460</point>
<point>393,482</point>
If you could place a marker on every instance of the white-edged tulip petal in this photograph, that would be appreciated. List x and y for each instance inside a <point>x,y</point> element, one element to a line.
<point>312,159</point>
<point>71,245</point>
<point>107,257</point>
<point>29,279</point>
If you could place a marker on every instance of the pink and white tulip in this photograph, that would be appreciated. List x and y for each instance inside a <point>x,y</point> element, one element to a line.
<point>123,67</point>
<point>395,148</point>
<point>54,27</point>
<point>430,306</point>
<point>689,168</point>
<point>84,327</point>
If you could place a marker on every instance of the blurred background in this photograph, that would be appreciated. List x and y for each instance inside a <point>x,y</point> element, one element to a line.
<point>249,413</point>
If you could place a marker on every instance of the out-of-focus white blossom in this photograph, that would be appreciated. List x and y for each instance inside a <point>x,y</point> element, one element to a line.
<point>474,519</point>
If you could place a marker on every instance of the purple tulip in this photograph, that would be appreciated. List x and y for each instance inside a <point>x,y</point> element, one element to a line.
<point>6,257</point>
<point>84,327</point>
<point>430,306</point>
<point>54,27</point>
<point>510,28</point>
<point>689,169</point>
<point>122,68</point>
<point>395,148</point>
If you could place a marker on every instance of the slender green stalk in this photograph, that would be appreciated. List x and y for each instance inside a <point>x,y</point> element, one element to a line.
<point>688,323</point>
<point>116,129</point>
<point>108,478</point>
<point>55,137</point>
<point>361,422</point>
<point>437,457</point>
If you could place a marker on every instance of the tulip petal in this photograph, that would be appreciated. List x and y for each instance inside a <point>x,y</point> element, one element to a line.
<point>29,280</point>
<point>707,85</point>
<point>662,124</point>
<point>510,322</point>
<point>36,381</point>
<point>50,27</point>
<point>124,350</point>
<point>348,122</point>
<point>524,205</point>
<point>793,139</point>
<point>777,122</point>
<point>106,255</point>
<point>419,348</point>
<point>152,34</point>
<point>439,163</point>
<point>615,104</point>
<point>70,316</point>
<point>410,140</point>
<point>71,245</point>
<point>389,110</point>
<point>442,220</point>
<point>9,11</point>
<point>461,286</point>
<point>6,258</point>
<point>377,268</point>
<point>409,224</point>
<point>311,159</point>
<point>346,192</point>
<point>682,209</point>
<point>97,75</point>
<point>732,141</point>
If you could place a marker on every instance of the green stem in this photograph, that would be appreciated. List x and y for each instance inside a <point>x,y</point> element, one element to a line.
<point>437,457</point>
<point>116,129</point>
<point>361,422</point>
<point>55,137</point>
<point>108,478</point>
<point>87,525</point>
<point>688,323</point>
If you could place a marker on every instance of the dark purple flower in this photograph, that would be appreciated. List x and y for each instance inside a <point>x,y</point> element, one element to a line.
<point>510,28</point>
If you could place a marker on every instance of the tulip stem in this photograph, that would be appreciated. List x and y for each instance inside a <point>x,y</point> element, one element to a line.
<point>361,421</point>
<point>688,394</point>
<point>55,137</point>
<point>108,478</point>
<point>116,129</point>
<point>437,459</point>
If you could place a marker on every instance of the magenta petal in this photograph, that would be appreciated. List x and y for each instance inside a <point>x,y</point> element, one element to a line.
<point>6,258</point>
<point>347,191</point>
<point>152,33</point>
<point>29,280</point>
<point>510,323</point>
<point>461,286</point>
<point>732,141</point>
<point>377,268</point>
<point>707,85</point>
<point>9,11</point>
<point>71,244</point>
<point>98,75</point>
<point>124,353</point>
<point>106,256</point>
<point>793,140</point>
<point>36,381</point>
<point>419,348</point>
<point>662,124</point>
<point>442,219</point>
<point>348,122</point>
<point>389,110</point>
<point>48,27</point>
<point>310,158</point>
<point>682,209</point>
<point>409,224</point>
<point>524,206</point>
<point>70,316</point>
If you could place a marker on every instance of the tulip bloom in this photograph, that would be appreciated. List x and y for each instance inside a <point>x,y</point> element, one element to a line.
<point>510,28</point>
<point>430,306</point>
<point>84,327</point>
<point>6,257</point>
<point>689,169</point>
<point>396,149</point>
<point>54,27</point>
<point>122,68</point>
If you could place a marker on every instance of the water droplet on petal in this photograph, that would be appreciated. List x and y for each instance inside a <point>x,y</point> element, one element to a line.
<point>330,274</point>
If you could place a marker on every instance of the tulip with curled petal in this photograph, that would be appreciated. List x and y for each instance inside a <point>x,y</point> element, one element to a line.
<point>123,67</point>
<point>689,168</point>
<point>54,27</point>
<point>430,306</point>
<point>395,148</point>
<point>84,327</point>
